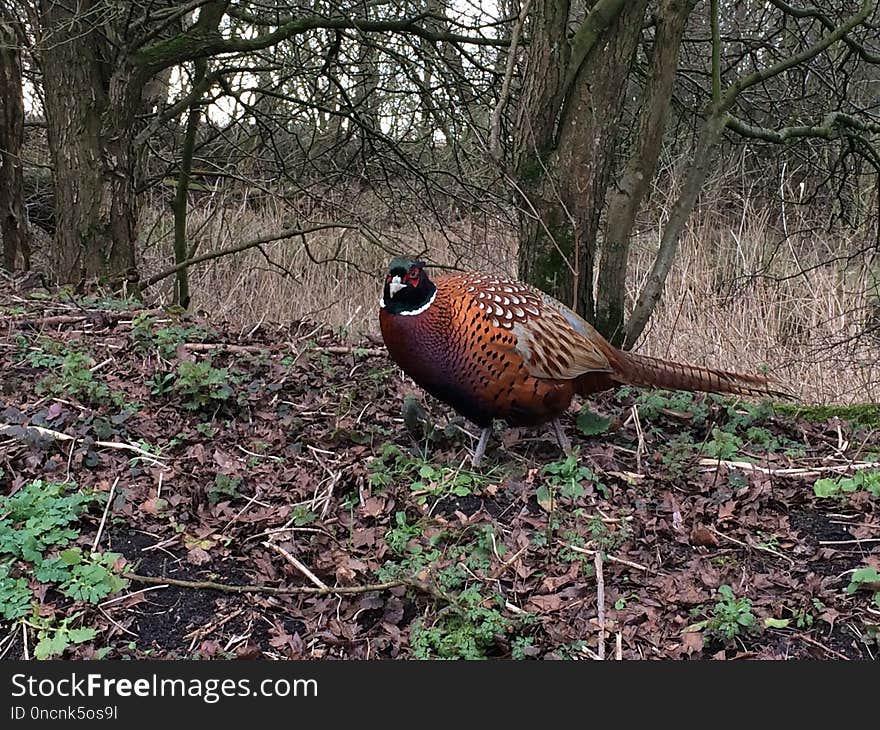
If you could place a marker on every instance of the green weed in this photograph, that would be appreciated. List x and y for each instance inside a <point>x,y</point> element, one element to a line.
<point>52,640</point>
<point>866,579</point>
<point>730,617</point>
<point>424,479</point>
<point>38,524</point>
<point>867,480</point>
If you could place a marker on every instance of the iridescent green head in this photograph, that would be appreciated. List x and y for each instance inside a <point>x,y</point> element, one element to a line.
<point>408,290</point>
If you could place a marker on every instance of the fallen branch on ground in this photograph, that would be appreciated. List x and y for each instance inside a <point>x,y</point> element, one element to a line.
<point>208,585</point>
<point>15,431</point>
<point>788,471</point>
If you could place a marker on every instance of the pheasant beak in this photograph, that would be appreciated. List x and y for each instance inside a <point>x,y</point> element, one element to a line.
<point>395,286</point>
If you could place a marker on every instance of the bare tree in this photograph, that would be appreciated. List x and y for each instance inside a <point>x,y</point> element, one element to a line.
<point>575,157</point>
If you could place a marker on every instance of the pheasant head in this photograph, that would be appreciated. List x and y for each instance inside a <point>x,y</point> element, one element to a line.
<point>408,290</point>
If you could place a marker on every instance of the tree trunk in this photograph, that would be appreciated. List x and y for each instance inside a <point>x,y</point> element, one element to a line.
<point>635,180</point>
<point>570,122</point>
<point>181,200</point>
<point>13,219</point>
<point>698,170</point>
<point>91,136</point>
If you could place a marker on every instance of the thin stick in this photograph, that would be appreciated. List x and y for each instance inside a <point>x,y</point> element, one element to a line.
<point>498,111</point>
<point>641,436</point>
<point>12,430</point>
<point>297,564</point>
<point>804,637</point>
<point>244,509</point>
<point>753,547</point>
<point>27,654</point>
<point>116,623</point>
<point>210,346</point>
<point>849,542</point>
<point>271,590</point>
<point>600,602</point>
<point>203,633</point>
<point>793,471</point>
<point>507,563</point>
<point>259,456</point>
<point>6,644</point>
<point>609,558</point>
<point>129,595</point>
<point>618,647</point>
<point>104,516</point>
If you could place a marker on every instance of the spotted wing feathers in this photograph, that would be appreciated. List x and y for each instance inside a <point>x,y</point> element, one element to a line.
<point>552,340</point>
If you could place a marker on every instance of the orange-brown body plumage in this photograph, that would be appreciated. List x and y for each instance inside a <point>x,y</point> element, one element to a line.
<point>494,348</point>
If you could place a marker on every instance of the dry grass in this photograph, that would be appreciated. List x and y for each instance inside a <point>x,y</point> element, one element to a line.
<point>800,319</point>
<point>742,298</point>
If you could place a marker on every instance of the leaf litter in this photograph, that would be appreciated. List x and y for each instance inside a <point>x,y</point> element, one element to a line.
<point>279,458</point>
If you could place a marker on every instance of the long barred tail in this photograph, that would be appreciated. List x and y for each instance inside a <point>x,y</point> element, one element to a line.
<point>655,373</point>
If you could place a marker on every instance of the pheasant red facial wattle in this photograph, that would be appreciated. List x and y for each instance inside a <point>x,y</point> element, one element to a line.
<point>493,348</point>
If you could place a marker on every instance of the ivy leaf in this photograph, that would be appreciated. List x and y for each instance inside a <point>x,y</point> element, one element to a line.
<point>78,636</point>
<point>71,556</point>
<point>825,487</point>
<point>545,499</point>
<point>590,423</point>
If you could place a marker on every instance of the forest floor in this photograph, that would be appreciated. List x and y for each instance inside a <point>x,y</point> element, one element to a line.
<point>173,489</point>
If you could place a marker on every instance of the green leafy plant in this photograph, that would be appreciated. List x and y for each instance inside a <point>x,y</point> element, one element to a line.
<point>15,595</point>
<point>164,339</point>
<point>590,423</point>
<point>653,403</point>
<point>622,602</point>
<point>70,374</point>
<point>398,537</point>
<point>722,445</point>
<point>52,640</point>
<point>804,616</point>
<point>567,476</point>
<point>302,516</point>
<point>161,383</point>
<point>424,479</point>
<point>730,617</point>
<point>224,486</point>
<point>866,579</point>
<point>41,515</point>
<point>200,384</point>
<point>466,632</point>
<point>867,480</point>
<point>91,577</point>
<point>38,524</point>
<point>608,537</point>
<point>679,455</point>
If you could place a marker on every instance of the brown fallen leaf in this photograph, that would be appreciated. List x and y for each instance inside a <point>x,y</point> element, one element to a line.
<point>153,506</point>
<point>373,506</point>
<point>726,510</point>
<point>198,556</point>
<point>701,536</point>
<point>692,642</point>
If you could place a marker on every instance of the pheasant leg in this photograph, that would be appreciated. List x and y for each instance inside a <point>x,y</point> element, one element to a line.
<point>561,438</point>
<point>481,447</point>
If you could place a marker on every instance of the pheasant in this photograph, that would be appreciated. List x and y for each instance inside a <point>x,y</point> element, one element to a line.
<point>493,348</point>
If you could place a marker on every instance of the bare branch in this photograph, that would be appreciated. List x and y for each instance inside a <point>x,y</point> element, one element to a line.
<point>287,233</point>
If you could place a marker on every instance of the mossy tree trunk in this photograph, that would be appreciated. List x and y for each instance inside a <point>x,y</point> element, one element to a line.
<point>13,218</point>
<point>634,181</point>
<point>90,113</point>
<point>572,100</point>
<point>95,135</point>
